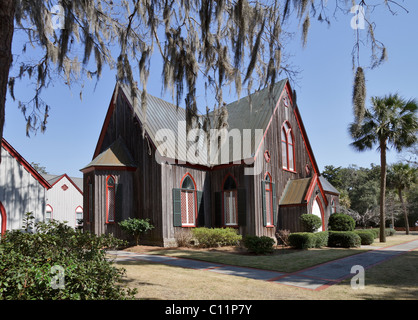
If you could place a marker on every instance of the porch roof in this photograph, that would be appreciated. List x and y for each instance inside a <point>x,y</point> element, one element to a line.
<point>295,192</point>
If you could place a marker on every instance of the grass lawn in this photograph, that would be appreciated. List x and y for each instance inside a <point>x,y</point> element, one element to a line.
<point>394,279</point>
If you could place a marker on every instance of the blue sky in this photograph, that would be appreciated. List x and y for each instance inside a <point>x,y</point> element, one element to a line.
<point>324,91</point>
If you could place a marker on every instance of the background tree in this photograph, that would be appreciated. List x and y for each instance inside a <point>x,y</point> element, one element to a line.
<point>359,191</point>
<point>401,177</point>
<point>39,168</point>
<point>391,121</point>
<point>232,43</point>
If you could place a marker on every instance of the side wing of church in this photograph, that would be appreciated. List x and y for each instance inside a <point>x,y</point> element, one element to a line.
<point>258,174</point>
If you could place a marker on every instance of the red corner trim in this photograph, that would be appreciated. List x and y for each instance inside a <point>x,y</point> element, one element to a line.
<point>69,179</point>
<point>25,164</point>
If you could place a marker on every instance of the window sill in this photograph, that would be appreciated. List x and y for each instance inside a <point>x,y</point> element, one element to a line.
<point>288,170</point>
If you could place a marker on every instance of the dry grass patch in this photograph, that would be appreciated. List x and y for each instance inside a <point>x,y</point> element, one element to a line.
<point>395,279</point>
<point>282,259</point>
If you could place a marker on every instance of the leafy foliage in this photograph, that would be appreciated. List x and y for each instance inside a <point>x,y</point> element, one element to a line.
<point>231,43</point>
<point>28,258</point>
<point>344,239</point>
<point>306,240</point>
<point>311,222</point>
<point>367,236</point>
<point>359,194</point>
<point>341,222</point>
<point>258,245</point>
<point>216,237</point>
<point>391,121</point>
<point>135,227</point>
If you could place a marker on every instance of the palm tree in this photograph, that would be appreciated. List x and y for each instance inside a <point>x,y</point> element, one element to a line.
<point>391,121</point>
<point>401,177</point>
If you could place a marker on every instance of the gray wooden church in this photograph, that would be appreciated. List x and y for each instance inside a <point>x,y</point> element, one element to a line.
<point>257,174</point>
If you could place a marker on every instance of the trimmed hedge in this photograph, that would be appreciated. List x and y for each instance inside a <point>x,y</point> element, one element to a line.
<point>341,222</point>
<point>258,245</point>
<point>343,239</point>
<point>375,232</point>
<point>366,235</point>
<point>302,240</point>
<point>388,232</point>
<point>321,239</point>
<point>310,222</point>
<point>216,237</point>
<point>306,240</point>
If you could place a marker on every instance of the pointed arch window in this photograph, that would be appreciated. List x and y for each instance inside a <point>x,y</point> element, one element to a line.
<point>188,206</point>
<point>110,199</point>
<point>269,201</point>
<point>230,202</point>
<point>79,216</point>
<point>48,213</point>
<point>288,147</point>
<point>188,202</point>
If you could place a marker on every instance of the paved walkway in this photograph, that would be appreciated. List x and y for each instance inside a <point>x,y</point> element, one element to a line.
<point>314,278</point>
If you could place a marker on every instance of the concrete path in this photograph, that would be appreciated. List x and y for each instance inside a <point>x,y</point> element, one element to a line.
<point>315,278</point>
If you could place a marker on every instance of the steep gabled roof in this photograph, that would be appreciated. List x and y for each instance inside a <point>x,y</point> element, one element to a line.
<point>250,113</point>
<point>7,146</point>
<point>116,155</point>
<point>54,179</point>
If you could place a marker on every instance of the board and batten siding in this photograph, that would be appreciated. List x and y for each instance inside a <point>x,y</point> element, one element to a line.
<point>20,192</point>
<point>64,202</point>
<point>171,177</point>
<point>142,199</point>
<point>124,191</point>
<point>280,176</point>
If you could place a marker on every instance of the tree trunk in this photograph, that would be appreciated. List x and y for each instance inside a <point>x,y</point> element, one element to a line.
<point>382,189</point>
<point>404,211</point>
<point>7,12</point>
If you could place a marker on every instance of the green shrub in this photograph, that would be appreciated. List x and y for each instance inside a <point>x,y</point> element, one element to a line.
<point>134,227</point>
<point>302,240</point>
<point>343,239</point>
<point>29,261</point>
<point>388,232</point>
<point>216,237</point>
<point>367,236</point>
<point>306,240</point>
<point>311,222</point>
<point>376,232</point>
<point>258,245</point>
<point>341,222</point>
<point>321,239</point>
